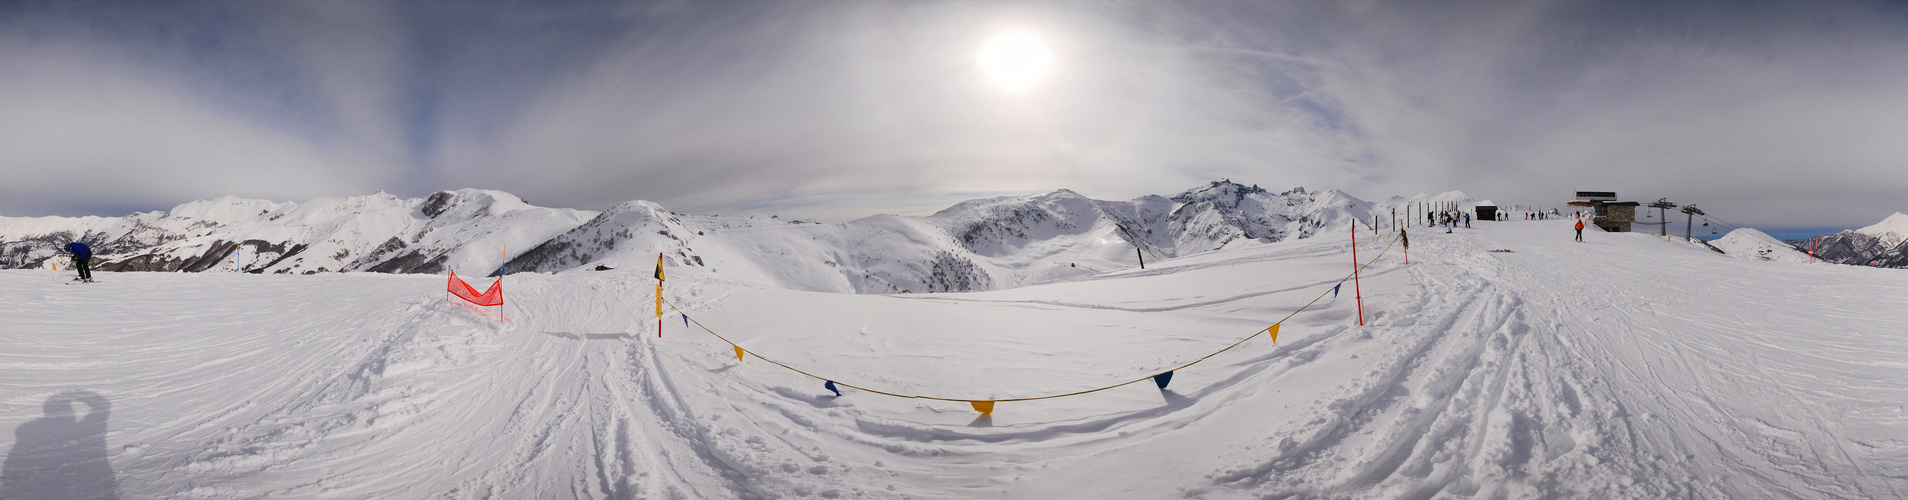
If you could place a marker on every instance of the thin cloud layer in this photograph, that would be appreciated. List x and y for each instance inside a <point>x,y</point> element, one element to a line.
<point>1772,114</point>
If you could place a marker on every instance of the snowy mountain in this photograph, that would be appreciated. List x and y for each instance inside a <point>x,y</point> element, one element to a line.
<point>1885,244</point>
<point>463,229</point>
<point>981,244</point>
<point>1211,217</point>
<point>984,244</point>
<point>1747,243</point>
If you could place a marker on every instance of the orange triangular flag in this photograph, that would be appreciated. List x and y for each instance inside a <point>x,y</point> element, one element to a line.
<point>1274,332</point>
<point>984,407</point>
<point>738,353</point>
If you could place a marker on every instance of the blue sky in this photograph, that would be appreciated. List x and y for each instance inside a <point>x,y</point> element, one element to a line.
<point>1768,114</point>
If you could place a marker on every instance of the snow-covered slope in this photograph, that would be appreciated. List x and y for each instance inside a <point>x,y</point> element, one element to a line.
<point>1884,244</point>
<point>1622,367</point>
<point>1747,243</point>
<point>464,230</point>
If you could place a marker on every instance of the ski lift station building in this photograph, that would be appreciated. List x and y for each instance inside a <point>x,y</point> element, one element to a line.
<point>1611,215</point>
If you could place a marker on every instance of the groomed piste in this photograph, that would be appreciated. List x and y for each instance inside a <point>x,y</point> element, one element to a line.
<point>1503,361</point>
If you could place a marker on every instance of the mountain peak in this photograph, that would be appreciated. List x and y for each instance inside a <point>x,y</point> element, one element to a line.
<point>1897,223</point>
<point>1224,189</point>
<point>1892,230</point>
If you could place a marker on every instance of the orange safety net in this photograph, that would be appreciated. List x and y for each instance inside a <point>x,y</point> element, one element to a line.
<point>490,297</point>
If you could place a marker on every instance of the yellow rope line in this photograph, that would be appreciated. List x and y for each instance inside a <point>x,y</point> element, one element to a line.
<point>1255,334</point>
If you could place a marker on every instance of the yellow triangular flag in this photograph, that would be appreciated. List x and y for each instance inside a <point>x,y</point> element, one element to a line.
<point>738,353</point>
<point>984,407</point>
<point>1274,332</point>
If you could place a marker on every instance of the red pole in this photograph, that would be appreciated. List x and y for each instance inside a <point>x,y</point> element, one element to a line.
<point>500,274</point>
<point>659,280</point>
<point>1355,287</point>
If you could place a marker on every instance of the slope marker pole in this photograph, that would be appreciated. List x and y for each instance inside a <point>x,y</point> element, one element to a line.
<point>500,274</point>
<point>1355,286</point>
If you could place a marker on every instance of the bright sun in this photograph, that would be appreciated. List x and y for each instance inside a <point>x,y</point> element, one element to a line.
<point>1015,61</point>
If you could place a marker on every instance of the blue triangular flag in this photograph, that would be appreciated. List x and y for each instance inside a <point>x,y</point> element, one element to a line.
<point>831,387</point>
<point>685,321</point>
<point>1162,379</point>
<point>1335,290</point>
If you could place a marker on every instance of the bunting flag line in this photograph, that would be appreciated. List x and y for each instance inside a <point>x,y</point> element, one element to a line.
<point>986,406</point>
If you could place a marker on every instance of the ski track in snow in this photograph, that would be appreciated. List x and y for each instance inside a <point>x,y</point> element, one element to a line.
<point>1624,367</point>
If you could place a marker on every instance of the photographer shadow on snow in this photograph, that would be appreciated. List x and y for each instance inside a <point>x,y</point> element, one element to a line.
<point>61,455</point>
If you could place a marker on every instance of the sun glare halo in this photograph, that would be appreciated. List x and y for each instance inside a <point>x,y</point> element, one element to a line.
<point>1015,61</point>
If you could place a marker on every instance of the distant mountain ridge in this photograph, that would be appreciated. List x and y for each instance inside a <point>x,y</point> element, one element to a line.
<point>375,233</point>
<point>1884,244</point>
<point>973,245</point>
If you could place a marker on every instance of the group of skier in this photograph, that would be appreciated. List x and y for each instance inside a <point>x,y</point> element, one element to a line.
<point>1452,218</point>
<point>1448,219</point>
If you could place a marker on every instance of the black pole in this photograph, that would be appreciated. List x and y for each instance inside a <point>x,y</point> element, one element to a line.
<point>1142,257</point>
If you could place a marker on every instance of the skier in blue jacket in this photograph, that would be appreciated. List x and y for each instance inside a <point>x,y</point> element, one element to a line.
<point>82,260</point>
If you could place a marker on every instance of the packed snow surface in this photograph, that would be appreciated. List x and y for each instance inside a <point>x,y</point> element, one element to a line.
<point>1505,361</point>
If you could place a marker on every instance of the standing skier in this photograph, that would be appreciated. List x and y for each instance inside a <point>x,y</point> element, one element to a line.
<point>1579,230</point>
<point>82,260</point>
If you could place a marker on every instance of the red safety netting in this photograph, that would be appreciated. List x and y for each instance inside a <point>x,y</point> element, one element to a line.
<point>491,297</point>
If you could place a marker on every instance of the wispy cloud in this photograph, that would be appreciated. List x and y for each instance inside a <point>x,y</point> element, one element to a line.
<point>1776,113</point>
